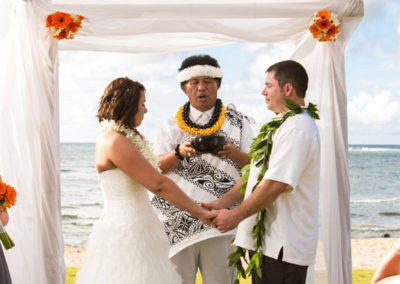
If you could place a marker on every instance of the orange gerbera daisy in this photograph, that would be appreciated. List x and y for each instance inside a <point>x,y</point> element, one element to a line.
<point>315,32</point>
<point>323,24</point>
<point>333,31</point>
<point>324,14</point>
<point>49,20</point>
<point>75,26</point>
<point>63,25</point>
<point>3,189</point>
<point>63,34</point>
<point>10,196</point>
<point>61,20</point>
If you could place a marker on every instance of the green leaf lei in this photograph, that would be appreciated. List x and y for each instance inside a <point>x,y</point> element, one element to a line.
<point>260,151</point>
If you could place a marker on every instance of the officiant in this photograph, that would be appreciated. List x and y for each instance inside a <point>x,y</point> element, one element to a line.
<point>204,177</point>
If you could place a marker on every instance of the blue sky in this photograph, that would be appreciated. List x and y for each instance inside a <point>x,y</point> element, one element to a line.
<point>372,73</point>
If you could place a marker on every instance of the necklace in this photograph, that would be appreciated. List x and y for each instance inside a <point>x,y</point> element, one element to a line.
<point>215,123</point>
<point>141,143</point>
<point>260,152</point>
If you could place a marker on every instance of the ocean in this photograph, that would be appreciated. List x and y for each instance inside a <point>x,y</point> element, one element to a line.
<point>374,197</point>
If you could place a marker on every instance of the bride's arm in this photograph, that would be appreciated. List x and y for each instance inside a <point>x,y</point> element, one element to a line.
<point>125,156</point>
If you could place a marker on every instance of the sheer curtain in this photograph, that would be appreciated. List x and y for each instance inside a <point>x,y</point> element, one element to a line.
<point>29,152</point>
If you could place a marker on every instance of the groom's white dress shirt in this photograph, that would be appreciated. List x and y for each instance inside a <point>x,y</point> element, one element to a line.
<point>292,220</point>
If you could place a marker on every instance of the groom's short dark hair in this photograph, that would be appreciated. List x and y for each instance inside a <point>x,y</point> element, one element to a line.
<point>290,71</point>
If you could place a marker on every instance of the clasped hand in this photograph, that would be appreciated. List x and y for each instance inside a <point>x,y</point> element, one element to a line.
<point>225,220</point>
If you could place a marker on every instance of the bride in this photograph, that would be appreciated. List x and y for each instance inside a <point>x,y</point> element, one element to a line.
<point>128,243</point>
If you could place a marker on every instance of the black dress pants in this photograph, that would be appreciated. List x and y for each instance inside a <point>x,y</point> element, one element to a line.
<point>276,271</point>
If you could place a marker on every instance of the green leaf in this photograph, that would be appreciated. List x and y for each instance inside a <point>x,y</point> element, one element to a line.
<point>259,272</point>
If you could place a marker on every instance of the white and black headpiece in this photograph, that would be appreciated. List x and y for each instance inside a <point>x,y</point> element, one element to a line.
<point>199,65</point>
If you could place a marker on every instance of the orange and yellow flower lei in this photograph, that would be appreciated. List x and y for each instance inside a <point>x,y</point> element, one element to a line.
<point>197,131</point>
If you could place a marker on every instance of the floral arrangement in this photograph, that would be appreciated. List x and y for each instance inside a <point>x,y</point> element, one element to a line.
<point>63,25</point>
<point>141,143</point>
<point>216,122</point>
<point>8,196</point>
<point>325,26</point>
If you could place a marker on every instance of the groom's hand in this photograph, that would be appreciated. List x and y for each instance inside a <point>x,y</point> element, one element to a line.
<point>208,217</point>
<point>226,220</point>
<point>210,205</point>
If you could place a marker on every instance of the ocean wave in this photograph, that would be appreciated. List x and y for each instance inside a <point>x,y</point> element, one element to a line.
<point>374,229</point>
<point>389,213</point>
<point>96,204</point>
<point>376,200</point>
<point>374,149</point>
<point>82,224</point>
<point>67,216</point>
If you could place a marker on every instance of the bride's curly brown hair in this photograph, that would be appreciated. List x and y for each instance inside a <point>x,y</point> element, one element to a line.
<point>120,102</point>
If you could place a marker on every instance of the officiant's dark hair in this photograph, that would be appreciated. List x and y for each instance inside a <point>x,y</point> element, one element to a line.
<point>120,102</point>
<point>290,71</point>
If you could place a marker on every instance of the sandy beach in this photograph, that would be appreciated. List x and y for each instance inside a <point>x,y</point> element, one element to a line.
<point>366,253</point>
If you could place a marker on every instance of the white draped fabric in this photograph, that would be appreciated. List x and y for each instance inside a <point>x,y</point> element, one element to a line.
<point>29,117</point>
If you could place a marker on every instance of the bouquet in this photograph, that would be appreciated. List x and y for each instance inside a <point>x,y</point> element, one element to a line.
<point>63,25</point>
<point>7,199</point>
<point>325,26</point>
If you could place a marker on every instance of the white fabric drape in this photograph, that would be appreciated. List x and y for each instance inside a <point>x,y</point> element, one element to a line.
<point>29,154</point>
<point>29,157</point>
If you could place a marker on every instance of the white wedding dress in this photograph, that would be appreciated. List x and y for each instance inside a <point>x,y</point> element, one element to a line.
<point>128,243</point>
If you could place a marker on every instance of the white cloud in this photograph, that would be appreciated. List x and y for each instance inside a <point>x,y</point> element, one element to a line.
<point>375,110</point>
<point>269,55</point>
<point>398,29</point>
<point>374,118</point>
<point>84,76</point>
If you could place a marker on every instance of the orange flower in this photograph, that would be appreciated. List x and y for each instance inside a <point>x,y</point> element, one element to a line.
<point>63,34</point>
<point>323,24</point>
<point>10,197</point>
<point>333,31</point>
<point>3,188</point>
<point>7,195</point>
<point>49,20</point>
<point>315,32</point>
<point>63,25</point>
<point>75,26</point>
<point>323,14</point>
<point>61,20</point>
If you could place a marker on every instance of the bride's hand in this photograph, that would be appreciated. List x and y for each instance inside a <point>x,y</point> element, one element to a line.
<point>207,217</point>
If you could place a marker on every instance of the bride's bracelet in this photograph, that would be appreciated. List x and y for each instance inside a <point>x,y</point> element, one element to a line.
<point>177,154</point>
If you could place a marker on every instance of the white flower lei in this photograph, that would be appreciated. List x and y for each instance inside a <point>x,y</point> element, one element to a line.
<point>141,143</point>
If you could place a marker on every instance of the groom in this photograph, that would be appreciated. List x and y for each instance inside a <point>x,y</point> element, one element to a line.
<point>289,188</point>
<point>203,177</point>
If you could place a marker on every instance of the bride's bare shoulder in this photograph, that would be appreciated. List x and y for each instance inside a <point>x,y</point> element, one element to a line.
<point>110,138</point>
<point>107,144</point>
